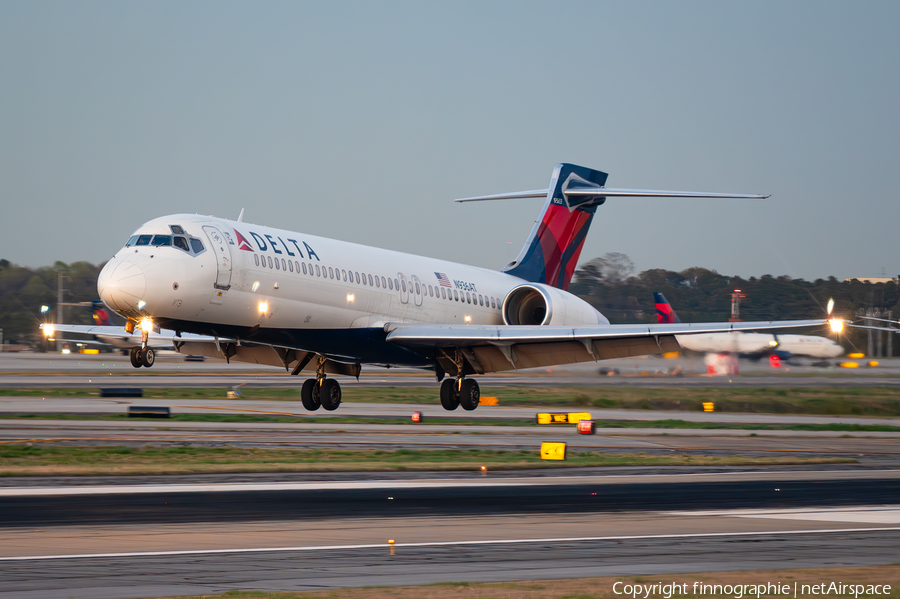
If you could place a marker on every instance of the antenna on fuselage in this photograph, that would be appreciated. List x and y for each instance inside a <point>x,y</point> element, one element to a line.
<point>241,216</point>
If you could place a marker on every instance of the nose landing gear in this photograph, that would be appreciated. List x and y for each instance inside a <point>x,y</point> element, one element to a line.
<point>142,356</point>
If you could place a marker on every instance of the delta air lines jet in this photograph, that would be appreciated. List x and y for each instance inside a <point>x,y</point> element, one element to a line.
<point>236,291</point>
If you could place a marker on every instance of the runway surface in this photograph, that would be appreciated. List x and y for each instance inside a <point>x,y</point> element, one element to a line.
<point>433,410</point>
<point>166,542</point>
<point>118,537</point>
<point>33,370</point>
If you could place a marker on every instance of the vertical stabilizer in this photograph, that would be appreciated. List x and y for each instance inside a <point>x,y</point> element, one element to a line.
<point>664,311</point>
<point>554,245</point>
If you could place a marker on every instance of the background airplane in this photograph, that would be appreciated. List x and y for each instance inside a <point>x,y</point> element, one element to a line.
<point>752,345</point>
<point>236,291</point>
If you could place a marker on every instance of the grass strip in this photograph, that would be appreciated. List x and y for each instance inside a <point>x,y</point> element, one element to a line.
<point>21,459</point>
<point>602,588</point>
<point>836,400</point>
<point>450,421</point>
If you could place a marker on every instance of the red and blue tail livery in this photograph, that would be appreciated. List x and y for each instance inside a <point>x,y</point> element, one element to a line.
<point>552,250</point>
<point>664,311</point>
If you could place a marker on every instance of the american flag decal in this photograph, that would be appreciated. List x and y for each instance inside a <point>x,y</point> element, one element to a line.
<point>443,281</point>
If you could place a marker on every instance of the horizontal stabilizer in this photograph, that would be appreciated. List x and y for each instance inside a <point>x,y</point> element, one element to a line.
<point>611,192</point>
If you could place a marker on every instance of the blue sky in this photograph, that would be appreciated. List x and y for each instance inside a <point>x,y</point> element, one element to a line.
<point>364,120</point>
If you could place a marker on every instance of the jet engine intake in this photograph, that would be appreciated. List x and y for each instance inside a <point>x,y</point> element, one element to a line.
<point>534,304</point>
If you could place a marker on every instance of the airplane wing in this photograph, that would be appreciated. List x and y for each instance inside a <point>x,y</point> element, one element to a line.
<point>504,347</point>
<point>111,332</point>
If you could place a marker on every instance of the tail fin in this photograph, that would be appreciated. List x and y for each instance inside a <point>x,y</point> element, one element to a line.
<point>554,245</point>
<point>664,311</point>
<point>101,314</point>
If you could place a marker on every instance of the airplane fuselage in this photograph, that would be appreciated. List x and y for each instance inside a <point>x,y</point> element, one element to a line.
<point>289,289</point>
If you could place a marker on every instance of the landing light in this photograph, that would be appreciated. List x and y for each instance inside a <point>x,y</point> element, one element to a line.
<point>146,324</point>
<point>351,298</point>
<point>773,343</point>
<point>837,325</point>
<point>48,330</point>
<point>263,307</point>
<point>468,318</point>
<point>45,309</point>
<point>255,286</point>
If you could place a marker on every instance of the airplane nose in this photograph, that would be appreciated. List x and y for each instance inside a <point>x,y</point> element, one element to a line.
<point>121,285</point>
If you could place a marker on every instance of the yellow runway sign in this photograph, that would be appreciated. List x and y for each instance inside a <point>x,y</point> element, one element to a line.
<point>562,417</point>
<point>553,451</point>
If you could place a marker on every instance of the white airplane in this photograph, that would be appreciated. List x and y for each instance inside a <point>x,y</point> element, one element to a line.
<point>749,344</point>
<point>236,291</point>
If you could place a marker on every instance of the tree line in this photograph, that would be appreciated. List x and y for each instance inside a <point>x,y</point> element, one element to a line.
<point>608,283</point>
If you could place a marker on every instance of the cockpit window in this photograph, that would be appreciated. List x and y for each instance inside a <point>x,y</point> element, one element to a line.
<point>131,241</point>
<point>144,239</point>
<point>196,245</point>
<point>177,229</point>
<point>181,243</point>
<point>159,240</point>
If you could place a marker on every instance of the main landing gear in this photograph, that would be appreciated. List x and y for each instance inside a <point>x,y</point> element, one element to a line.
<point>460,392</point>
<point>320,391</point>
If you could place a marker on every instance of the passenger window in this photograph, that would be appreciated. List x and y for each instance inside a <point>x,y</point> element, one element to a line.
<point>417,289</point>
<point>144,239</point>
<point>304,267</point>
<point>269,259</point>
<point>391,284</point>
<point>344,275</point>
<point>431,291</point>
<point>377,282</point>
<point>283,264</point>
<point>370,280</point>
<point>404,285</point>
<point>383,283</point>
<point>161,240</point>
<point>256,259</point>
<point>310,269</point>
<point>480,300</point>
<point>277,267</point>
<point>455,295</point>
<point>318,272</point>
<point>131,241</point>
<point>330,273</point>
<point>297,267</point>
<point>396,284</point>
<point>196,245</point>
<point>290,266</point>
<point>443,293</point>
<point>468,298</point>
<point>492,303</point>
<point>357,277</point>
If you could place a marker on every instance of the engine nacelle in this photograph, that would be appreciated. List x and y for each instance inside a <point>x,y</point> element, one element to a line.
<point>538,304</point>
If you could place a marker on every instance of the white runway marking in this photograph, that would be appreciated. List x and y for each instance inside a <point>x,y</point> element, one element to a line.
<point>443,544</point>
<point>436,483</point>
<point>887,514</point>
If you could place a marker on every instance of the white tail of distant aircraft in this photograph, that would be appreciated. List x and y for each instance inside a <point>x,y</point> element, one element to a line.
<point>236,291</point>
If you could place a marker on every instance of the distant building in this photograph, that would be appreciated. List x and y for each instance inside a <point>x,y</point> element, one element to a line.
<point>872,280</point>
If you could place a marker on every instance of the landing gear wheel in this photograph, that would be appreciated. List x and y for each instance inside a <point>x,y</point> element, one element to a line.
<point>449,396</point>
<point>135,355</point>
<point>309,395</point>
<point>148,357</point>
<point>330,393</point>
<point>469,394</point>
